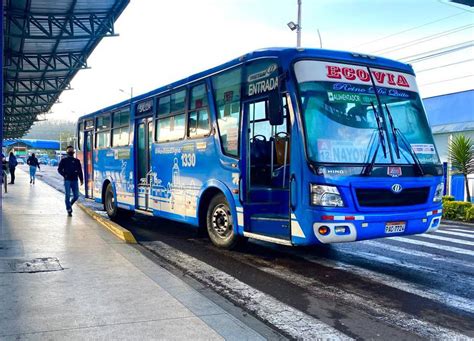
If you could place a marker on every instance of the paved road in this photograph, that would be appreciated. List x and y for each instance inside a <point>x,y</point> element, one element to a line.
<point>407,288</point>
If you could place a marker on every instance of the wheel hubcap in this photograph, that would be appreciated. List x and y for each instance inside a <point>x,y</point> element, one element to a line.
<point>221,220</point>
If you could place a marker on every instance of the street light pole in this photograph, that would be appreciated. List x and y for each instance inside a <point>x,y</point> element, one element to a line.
<point>298,27</point>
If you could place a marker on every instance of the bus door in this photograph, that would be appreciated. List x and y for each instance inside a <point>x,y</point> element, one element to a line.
<point>143,142</point>
<point>88,163</point>
<point>265,173</point>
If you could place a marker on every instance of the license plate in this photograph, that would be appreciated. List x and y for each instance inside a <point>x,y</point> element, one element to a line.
<point>395,227</point>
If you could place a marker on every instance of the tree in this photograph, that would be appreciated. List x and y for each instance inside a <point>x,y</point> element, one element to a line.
<point>461,153</point>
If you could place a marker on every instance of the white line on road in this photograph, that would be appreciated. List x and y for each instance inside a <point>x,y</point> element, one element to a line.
<point>383,313</point>
<point>284,317</point>
<point>461,230</point>
<point>439,296</point>
<point>416,253</point>
<point>447,239</point>
<point>434,246</point>
<point>459,234</point>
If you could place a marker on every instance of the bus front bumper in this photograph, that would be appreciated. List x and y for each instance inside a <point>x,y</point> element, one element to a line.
<point>338,228</point>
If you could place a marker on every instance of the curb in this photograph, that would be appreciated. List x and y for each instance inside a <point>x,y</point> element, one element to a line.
<point>116,229</point>
<point>457,223</point>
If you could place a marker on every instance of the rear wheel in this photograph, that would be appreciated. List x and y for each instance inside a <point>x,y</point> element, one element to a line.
<point>110,205</point>
<point>220,224</point>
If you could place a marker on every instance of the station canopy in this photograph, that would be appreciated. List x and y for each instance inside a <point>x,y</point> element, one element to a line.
<point>45,44</point>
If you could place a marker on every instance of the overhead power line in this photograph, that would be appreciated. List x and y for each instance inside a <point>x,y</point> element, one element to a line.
<point>447,80</point>
<point>445,65</point>
<point>423,39</point>
<point>436,53</point>
<point>410,29</point>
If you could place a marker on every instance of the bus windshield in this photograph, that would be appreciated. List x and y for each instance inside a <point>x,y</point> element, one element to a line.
<point>340,116</point>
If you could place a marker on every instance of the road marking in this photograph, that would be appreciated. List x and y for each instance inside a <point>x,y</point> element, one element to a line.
<point>459,234</point>
<point>447,239</point>
<point>439,296</point>
<point>411,252</point>
<point>435,246</point>
<point>284,317</point>
<point>461,230</point>
<point>316,288</point>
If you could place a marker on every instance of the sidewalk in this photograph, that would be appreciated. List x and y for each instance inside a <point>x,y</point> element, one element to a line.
<point>69,278</point>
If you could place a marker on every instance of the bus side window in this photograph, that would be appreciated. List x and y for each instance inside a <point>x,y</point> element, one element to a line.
<point>227,97</point>
<point>102,137</point>
<point>171,120</point>
<point>198,122</point>
<point>80,136</point>
<point>120,128</point>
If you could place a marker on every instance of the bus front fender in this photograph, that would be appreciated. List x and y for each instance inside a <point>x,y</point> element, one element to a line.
<point>209,189</point>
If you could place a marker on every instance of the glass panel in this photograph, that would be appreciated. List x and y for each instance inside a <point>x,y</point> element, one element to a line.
<point>103,122</point>
<point>198,97</point>
<point>177,129</point>
<point>262,77</point>
<point>120,136</point>
<point>121,118</point>
<point>163,127</point>
<point>227,96</point>
<point>178,101</point>
<point>198,123</point>
<point>80,136</point>
<point>170,128</point>
<point>142,157</point>
<point>409,117</point>
<point>103,139</point>
<point>164,105</point>
<point>339,107</point>
<point>150,135</point>
<point>340,128</point>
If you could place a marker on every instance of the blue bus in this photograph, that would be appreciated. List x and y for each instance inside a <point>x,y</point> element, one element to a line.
<point>291,146</point>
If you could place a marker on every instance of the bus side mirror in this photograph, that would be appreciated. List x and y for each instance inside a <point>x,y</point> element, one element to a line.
<point>275,108</point>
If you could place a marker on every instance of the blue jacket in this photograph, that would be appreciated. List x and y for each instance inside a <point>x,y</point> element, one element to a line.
<point>12,162</point>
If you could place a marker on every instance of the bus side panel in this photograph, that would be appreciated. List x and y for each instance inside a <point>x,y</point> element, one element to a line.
<point>116,166</point>
<point>181,172</point>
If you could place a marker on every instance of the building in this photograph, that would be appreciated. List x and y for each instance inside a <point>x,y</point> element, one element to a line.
<point>22,146</point>
<point>449,115</point>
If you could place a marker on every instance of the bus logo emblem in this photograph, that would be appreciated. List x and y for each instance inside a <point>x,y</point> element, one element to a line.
<point>396,188</point>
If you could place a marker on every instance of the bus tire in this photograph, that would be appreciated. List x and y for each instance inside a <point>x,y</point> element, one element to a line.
<point>110,202</point>
<point>220,224</point>
<point>110,206</point>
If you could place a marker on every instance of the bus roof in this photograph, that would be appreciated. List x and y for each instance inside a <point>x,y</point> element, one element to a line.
<point>284,53</point>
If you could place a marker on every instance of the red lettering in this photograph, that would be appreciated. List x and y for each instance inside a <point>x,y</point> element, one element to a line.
<point>333,71</point>
<point>363,75</point>
<point>379,76</point>
<point>402,81</point>
<point>391,79</point>
<point>348,73</point>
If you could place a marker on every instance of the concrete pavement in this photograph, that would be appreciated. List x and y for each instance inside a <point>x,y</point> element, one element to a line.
<point>63,277</point>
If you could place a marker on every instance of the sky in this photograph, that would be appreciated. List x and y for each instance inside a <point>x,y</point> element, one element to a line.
<point>161,42</point>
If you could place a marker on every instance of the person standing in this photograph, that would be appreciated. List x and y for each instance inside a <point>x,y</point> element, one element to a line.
<point>33,163</point>
<point>12,163</point>
<point>71,170</point>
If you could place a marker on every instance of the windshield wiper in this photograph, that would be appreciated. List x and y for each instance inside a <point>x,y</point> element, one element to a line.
<point>397,132</point>
<point>381,142</point>
<point>394,132</point>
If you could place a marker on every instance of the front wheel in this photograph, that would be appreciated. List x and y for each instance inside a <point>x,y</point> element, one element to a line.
<point>110,205</point>
<point>220,224</point>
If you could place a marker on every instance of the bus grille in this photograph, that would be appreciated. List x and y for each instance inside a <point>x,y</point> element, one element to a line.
<point>371,197</point>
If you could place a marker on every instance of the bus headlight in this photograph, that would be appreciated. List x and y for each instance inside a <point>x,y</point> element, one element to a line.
<point>438,196</point>
<point>328,196</point>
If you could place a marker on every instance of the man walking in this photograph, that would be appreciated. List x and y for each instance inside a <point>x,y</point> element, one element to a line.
<point>71,170</point>
<point>12,163</point>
